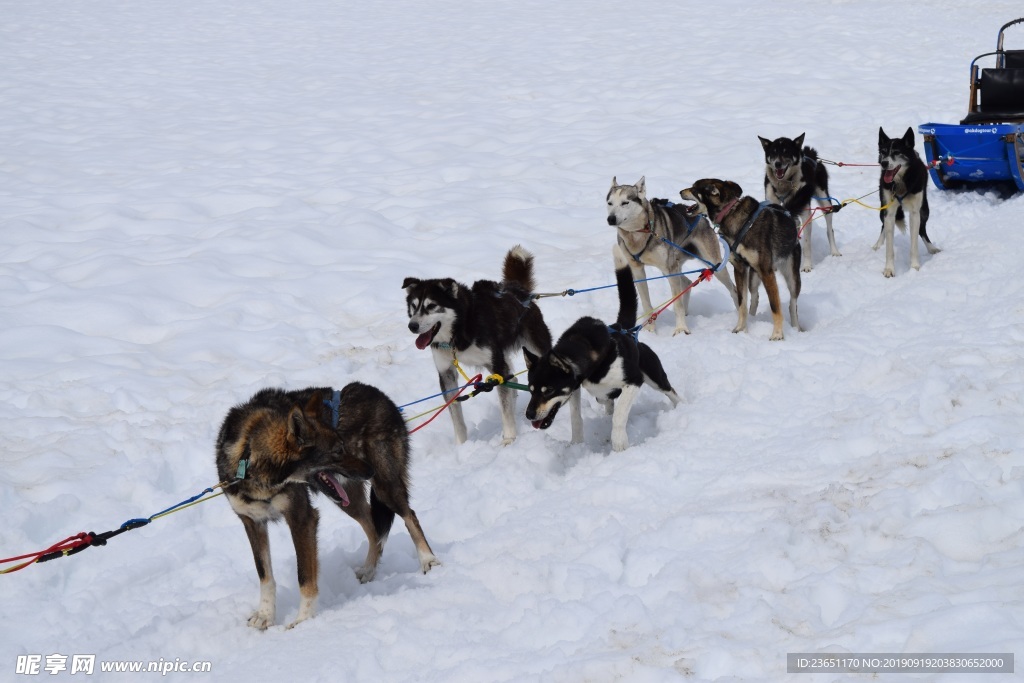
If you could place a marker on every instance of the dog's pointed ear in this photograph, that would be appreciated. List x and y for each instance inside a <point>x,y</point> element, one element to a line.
<point>298,427</point>
<point>563,364</point>
<point>451,286</point>
<point>764,142</point>
<point>409,282</point>
<point>908,137</point>
<point>615,182</point>
<point>529,358</point>
<point>641,186</point>
<point>883,139</point>
<point>800,140</point>
<point>731,189</point>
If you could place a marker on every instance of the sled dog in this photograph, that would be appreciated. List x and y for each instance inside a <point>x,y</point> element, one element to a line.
<point>793,177</point>
<point>902,189</point>
<point>608,362</point>
<point>645,229</point>
<point>762,239</point>
<point>481,325</point>
<point>280,445</point>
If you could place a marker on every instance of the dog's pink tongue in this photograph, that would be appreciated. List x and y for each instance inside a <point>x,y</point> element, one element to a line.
<point>423,341</point>
<point>337,489</point>
<point>890,174</point>
<point>779,173</point>
<point>536,424</point>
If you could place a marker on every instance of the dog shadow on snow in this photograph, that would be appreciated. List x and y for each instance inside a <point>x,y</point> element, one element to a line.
<point>643,425</point>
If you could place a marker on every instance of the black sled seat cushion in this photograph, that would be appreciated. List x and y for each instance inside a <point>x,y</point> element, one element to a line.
<point>1002,97</point>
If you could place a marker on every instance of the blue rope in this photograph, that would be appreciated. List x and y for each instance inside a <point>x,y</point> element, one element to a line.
<point>440,393</point>
<point>688,253</point>
<point>133,523</point>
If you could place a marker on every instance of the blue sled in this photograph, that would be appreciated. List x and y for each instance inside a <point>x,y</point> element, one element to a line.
<point>987,153</point>
<point>988,145</point>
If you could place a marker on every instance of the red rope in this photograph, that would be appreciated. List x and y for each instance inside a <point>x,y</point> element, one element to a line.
<point>824,210</point>
<point>69,543</point>
<point>443,408</point>
<point>704,275</point>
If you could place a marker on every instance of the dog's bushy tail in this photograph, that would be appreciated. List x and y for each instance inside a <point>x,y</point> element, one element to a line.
<point>383,517</point>
<point>811,153</point>
<point>518,268</point>
<point>627,298</point>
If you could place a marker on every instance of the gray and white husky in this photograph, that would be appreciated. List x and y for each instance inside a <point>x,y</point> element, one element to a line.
<point>481,325</point>
<point>903,189</point>
<point>644,229</point>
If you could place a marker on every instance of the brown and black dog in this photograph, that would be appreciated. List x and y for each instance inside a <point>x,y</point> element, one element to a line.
<point>762,238</point>
<point>279,444</point>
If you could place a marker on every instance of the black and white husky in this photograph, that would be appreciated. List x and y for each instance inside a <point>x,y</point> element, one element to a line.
<point>645,229</point>
<point>480,326</point>
<point>902,188</point>
<point>793,177</point>
<point>608,362</point>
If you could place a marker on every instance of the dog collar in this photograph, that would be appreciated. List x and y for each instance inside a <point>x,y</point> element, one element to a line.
<point>647,244</point>
<point>335,405</point>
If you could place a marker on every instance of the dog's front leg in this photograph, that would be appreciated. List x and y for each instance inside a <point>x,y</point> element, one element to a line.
<point>576,417</point>
<point>723,276</point>
<point>449,383</point>
<point>507,398</point>
<point>888,230</point>
<point>806,263</point>
<point>260,541</point>
<point>682,304</point>
<point>640,277</point>
<point>623,404</point>
<point>741,273</point>
<point>302,520</point>
<point>826,207</point>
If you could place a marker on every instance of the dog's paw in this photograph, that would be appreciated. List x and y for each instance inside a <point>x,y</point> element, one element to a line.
<point>429,561</point>
<point>261,620</point>
<point>365,574</point>
<point>806,268</point>
<point>619,445</point>
<point>932,249</point>
<point>680,328</point>
<point>297,621</point>
<point>889,272</point>
<point>777,337</point>
<point>739,328</point>
<point>836,252</point>
<point>508,440</point>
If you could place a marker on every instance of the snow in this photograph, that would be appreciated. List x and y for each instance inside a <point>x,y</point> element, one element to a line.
<point>202,199</point>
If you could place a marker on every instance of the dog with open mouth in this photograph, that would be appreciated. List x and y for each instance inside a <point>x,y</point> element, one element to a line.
<point>793,178</point>
<point>482,325</point>
<point>903,191</point>
<point>279,446</point>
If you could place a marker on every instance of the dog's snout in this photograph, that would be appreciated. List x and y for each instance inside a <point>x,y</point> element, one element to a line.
<point>612,220</point>
<point>414,326</point>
